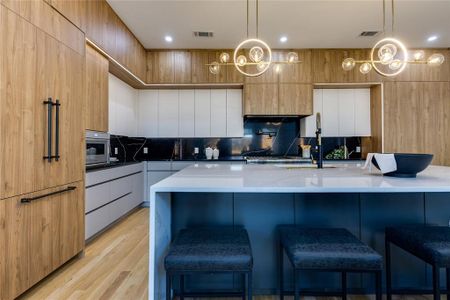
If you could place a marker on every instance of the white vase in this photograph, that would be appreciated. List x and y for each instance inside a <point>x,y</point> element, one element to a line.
<point>209,153</point>
<point>216,153</point>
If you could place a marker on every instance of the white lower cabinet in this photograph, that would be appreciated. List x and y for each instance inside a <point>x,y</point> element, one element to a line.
<point>110,194</point>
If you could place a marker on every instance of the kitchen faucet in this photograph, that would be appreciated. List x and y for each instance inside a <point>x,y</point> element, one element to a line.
<point>319,142</point>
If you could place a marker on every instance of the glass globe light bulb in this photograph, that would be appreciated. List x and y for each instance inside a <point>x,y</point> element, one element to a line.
<point>241,60</point>
<point>395,64</point>
<point>365,68</point>
<point>224,57</point>
<point>419,55</point>
<point>261,66</point>
<point>292,57</point>
<point>348,64</point>
<point>436,59</point>
<point>386,53</point>
<point>214,68</point>
<point>256,54</point>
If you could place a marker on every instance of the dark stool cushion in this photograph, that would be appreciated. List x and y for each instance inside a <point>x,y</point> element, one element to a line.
<point>216,249</point>
<point>430,243</point>
<point>328,249</point>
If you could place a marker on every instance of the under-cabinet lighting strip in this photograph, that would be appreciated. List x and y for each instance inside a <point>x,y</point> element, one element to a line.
<point>92,44</point>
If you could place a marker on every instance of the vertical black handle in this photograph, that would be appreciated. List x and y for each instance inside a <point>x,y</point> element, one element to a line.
<point>57,104</point>
<point>49,104</point>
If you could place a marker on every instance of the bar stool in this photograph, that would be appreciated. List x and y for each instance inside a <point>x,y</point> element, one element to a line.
<point>429,243</point>
<point>209,250</point>
<point>327,249</point>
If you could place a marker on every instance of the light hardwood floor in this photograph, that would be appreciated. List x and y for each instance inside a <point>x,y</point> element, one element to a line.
<point>115,266</point>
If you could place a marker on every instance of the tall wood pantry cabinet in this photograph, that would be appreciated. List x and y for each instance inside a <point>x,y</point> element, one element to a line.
<point>41,115</point>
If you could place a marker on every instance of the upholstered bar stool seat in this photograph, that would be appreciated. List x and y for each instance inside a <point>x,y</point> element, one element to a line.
<point>209,250</point>
<point>429,243</point>
<point>327,249</point>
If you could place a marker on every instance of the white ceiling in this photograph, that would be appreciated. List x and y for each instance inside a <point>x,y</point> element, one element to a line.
<point>306,23</point>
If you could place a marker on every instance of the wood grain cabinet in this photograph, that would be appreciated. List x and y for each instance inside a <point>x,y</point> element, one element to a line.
<point>278,99</point>
<point>295,99</point>
<point>169,67</point>
<point>261,99</point>
<point>416,118</point>
<point>39,236</point>
<point>37,67</point>
<point>96,100</point>
<point>74,10</point>
<point>48,69</point>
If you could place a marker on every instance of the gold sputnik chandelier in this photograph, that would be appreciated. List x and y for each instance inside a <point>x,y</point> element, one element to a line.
<point>389,56</point>
<point>252,57</point>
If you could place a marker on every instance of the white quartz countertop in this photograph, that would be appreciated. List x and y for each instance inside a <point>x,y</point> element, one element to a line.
<point>269,178</point>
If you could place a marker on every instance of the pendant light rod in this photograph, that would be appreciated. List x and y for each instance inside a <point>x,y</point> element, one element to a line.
<point>257,19</point>
<point>247,16</point>
<point>393,16</point>
<point>384,17</point>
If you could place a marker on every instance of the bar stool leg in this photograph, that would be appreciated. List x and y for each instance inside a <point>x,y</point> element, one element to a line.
<point>296,285</point>
<point>280,271</point>
<point>436,284</point>
<point>168,287</point>
<point>447,275</point>
<point>244,285</point>
<point>249,286</point>
<point>388,270</point>
<point>344,285</point>
<point>378,288</point>
<point>181,287</point>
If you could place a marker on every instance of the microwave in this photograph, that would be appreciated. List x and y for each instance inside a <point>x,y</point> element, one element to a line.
<point>97,148</point>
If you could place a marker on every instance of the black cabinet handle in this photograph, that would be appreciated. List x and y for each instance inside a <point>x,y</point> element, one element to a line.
<point>57,104</point>
<point>49,104</point>
<point>28,200</point>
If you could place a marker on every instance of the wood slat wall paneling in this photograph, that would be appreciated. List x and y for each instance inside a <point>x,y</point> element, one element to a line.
<point>107,31</point>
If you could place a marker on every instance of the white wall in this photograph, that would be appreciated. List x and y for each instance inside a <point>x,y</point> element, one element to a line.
<point>123,112</point>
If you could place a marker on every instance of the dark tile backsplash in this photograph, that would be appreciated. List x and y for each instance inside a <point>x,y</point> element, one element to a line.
<point>262,136</point>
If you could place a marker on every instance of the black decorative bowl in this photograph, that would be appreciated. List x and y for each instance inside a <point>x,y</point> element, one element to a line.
<point>408,164</point>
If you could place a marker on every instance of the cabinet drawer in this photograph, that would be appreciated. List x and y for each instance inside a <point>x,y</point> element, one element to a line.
<point>121,187</point>
<point>120,207</point>
<point>97,196</point>
<point>97,220</point>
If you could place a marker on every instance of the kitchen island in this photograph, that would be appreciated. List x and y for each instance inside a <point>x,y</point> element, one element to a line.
<point>260,197</point>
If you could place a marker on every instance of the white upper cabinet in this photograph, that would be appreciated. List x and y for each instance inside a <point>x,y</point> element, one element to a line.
<point>218,113</point>
<point>202,113</point>
<point>122,107</point>
<point>235,121</point>
<point>346,115</point>
<point>308,124</point>
<point>362,112</point>
<point>148,113</point>
<point>344,112</point>
<point>190,113</point>
<point>168,113</point>
<point>330,113</point>
<point>187,113</point>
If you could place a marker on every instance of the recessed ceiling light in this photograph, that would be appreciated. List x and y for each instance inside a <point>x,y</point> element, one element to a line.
<point>432,38</point>
<point>283,39</point>
<point>168,38</point>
